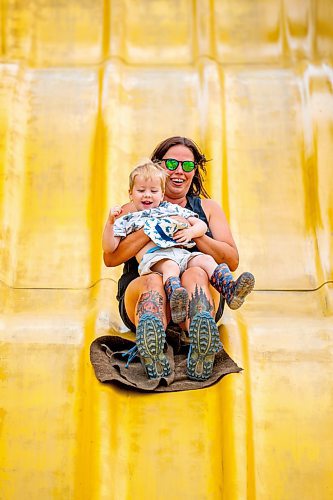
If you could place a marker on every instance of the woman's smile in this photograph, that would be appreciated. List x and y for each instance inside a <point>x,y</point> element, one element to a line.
<point>176,180</point>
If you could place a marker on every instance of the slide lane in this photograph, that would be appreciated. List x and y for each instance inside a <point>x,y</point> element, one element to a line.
<point>81,101</point>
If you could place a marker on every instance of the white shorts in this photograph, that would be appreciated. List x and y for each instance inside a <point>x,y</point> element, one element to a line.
<point>178,255</point>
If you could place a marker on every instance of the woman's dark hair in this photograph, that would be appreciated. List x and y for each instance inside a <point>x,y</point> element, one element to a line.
<point>197,187</point>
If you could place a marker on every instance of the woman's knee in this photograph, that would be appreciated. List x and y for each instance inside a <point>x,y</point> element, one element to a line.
<point>140,286</point>
<point>145,294</point>
<point>152,281</point>
<point>195,275</point>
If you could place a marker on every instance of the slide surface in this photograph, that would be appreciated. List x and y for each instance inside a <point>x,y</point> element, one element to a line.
<point>87,89</point>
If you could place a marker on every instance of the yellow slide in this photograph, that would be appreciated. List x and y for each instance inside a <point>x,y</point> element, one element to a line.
<point>88,88</point>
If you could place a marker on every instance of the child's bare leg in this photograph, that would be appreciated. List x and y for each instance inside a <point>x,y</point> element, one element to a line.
<point>175,292</point>
<point>222,280</point>
<point>205,262</point>
<point>168,268</point>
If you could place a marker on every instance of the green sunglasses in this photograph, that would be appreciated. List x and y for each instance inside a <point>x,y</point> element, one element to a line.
<point>172,164</point>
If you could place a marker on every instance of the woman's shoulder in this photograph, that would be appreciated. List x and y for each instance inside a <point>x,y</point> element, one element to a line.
<point>211,207</point>
<point>209,203</point>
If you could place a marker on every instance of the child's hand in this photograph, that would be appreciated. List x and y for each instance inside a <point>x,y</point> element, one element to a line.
<point>114,212</point>
<point>183,235</point>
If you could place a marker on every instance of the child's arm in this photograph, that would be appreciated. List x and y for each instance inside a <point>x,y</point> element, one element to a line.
<point>110,242</point>
<point>198,228</point>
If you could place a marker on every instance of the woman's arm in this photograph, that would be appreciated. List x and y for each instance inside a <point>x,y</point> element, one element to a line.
<point>198,226</point>
<point>222,248</point>
<point>127,247</point>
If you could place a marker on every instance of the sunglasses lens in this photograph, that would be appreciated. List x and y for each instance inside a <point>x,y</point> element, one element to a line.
<point>171,164</point>
<point>188,166</point>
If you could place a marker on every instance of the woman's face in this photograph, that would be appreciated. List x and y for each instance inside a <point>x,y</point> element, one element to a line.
<point>178,182</point>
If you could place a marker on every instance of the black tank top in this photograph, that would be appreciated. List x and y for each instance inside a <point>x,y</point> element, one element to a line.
<point>130,270</point>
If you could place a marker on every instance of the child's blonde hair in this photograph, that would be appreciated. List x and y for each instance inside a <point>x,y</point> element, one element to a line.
<point>148,170</point>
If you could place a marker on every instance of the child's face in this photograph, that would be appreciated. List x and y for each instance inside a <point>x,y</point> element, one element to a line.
<point>146,193</point>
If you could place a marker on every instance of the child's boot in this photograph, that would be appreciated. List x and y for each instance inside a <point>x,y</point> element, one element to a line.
<point>178,298</point>
<point>233,291</point>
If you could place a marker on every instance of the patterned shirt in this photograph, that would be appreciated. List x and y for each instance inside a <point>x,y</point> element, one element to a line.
<point>157,223</point>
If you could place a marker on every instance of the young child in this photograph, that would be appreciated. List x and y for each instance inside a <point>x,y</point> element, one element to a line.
<point>166,253</point>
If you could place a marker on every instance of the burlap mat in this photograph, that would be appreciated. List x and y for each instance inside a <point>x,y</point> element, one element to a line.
<point>110,366</point>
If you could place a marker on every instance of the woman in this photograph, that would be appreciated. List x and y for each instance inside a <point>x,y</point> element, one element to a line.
<point>142,302</point>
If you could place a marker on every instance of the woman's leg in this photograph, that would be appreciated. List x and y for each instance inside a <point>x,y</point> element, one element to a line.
<point>146,295</point>
<point>202,295</point>
<point>203,332</point>
<point>145,306</point>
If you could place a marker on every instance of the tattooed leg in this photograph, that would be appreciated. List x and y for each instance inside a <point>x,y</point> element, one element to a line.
<point>203,332</point>
<point>204,337</point>
<point>150,334</point>
<point>202,295</point>
<point>150,302</point>
<point>199,303</point>
<point>136,300</point>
